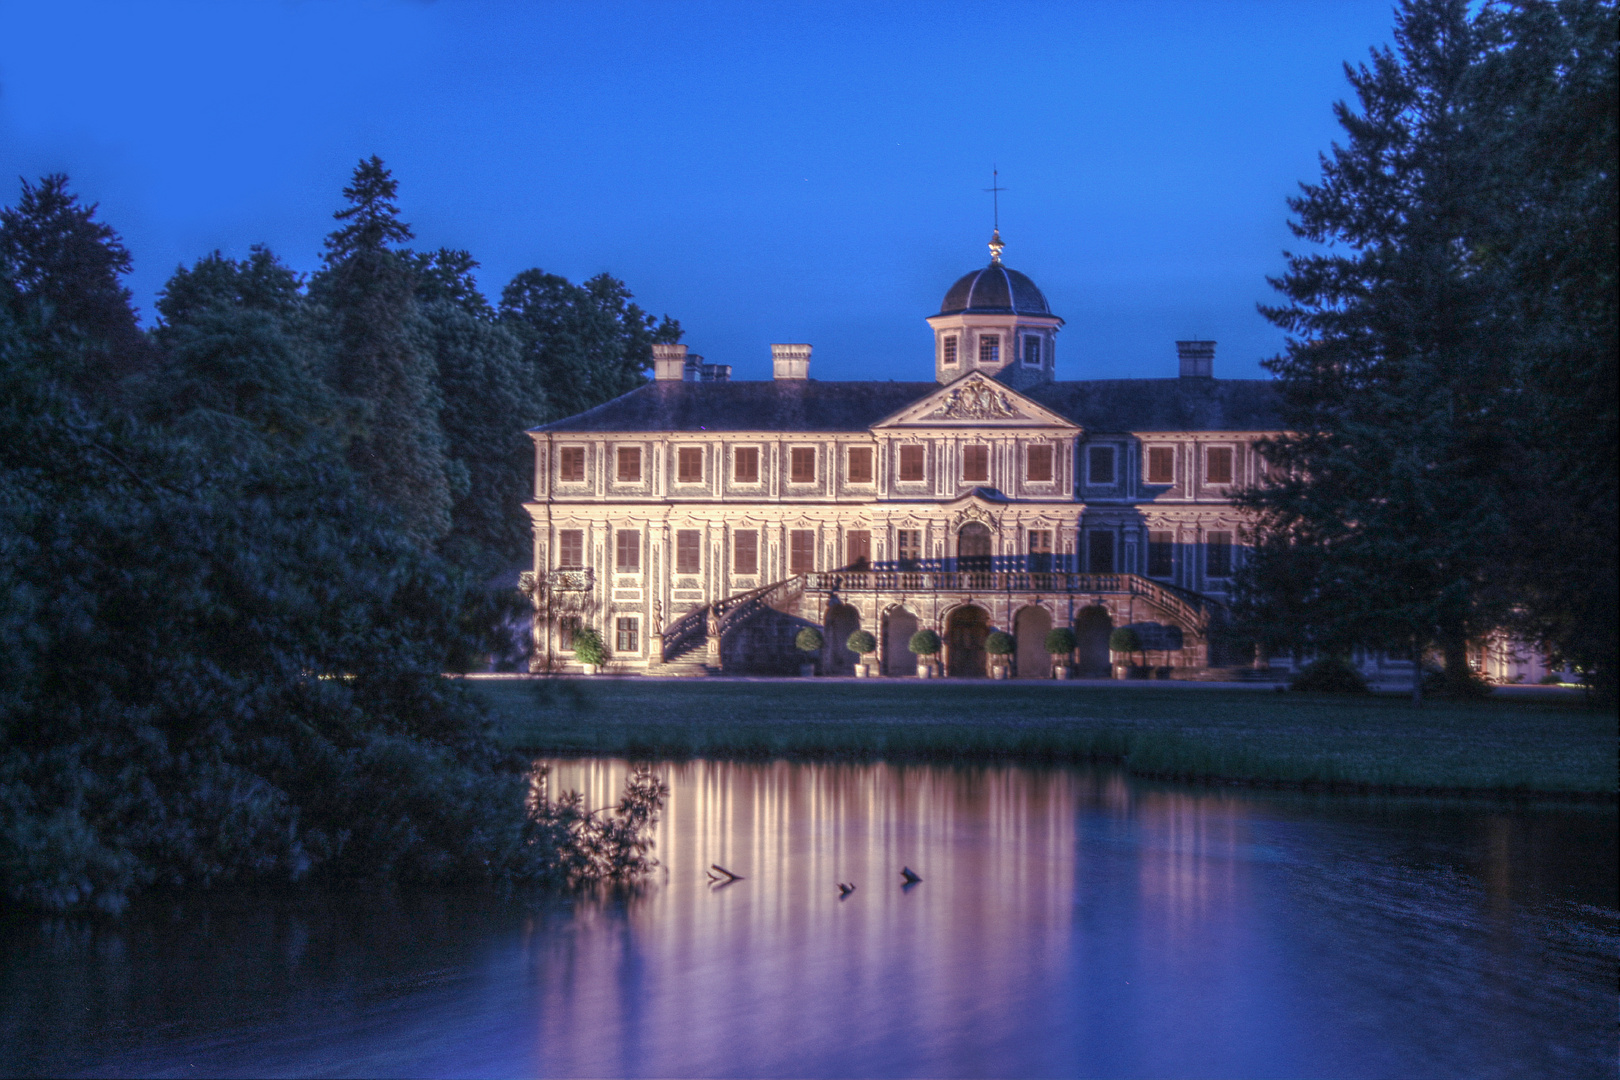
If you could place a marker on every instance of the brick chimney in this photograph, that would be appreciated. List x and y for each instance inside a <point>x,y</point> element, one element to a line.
<point>1197,359</point>
<point>790,361</point>
<point>669,363</point>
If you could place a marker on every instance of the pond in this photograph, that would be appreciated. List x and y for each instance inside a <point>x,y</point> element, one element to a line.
<point>1068,922</point>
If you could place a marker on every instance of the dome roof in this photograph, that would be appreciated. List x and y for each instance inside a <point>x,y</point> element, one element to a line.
<point>995,289</point>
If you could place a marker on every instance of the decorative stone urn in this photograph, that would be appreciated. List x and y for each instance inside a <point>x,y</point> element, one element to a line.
<point>998,671</point>
<point>863,671</point>
<point>925,669</point>
<point>807,671</point>
<point>591,669</point>
<point>1060,671</point>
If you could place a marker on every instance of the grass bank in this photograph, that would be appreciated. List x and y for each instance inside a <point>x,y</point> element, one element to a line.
<point>1326,741</point>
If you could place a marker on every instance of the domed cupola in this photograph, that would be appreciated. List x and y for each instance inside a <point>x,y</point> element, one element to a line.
<point>995,320</point>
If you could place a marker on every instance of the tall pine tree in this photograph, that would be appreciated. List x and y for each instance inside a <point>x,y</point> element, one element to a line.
<point>1384,504</point>
<point>62,270</point>
<point>368,290</point>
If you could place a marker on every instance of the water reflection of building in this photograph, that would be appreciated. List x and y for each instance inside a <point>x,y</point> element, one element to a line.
<point>698,522</point>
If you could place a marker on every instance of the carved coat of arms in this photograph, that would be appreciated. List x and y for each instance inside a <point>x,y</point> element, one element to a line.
<point>977,401</point>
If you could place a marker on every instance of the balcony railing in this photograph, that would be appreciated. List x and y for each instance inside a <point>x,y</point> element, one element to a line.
<point>1190,605</point>
<point>568,580</point>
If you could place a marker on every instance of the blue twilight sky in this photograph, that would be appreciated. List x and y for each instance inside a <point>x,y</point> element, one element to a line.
<point>762,172</point>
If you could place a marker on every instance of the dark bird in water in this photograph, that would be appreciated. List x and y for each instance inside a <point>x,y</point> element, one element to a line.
<point>715,870</point>
<point>845,890</point>
<point>910,876</point>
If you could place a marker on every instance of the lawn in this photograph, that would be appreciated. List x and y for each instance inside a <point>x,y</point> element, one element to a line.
<point>1197,734</point>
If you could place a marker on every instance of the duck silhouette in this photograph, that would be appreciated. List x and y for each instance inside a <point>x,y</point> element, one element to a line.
<point>910,875</point>
<point>845,890</point>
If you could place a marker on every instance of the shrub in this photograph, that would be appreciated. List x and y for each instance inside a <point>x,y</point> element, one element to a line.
<point>1470,685</point>
<point>1125,640</point>
<point>1329,675</point>
<point>1000,643</point>
<point>924,643</point>
<point>808,641</point>
<point>588,647</point>
<point>1061,641</point>
<point>862,642</point>
<point>1552,678</point>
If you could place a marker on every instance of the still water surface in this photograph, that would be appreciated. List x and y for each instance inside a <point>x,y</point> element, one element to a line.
<point>1069,923</point>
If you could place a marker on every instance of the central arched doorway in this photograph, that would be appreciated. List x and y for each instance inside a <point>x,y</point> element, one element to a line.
<point>973,547</point>
<point>1030,629</point>
<point>898,659</point>
<point>1092,627</point>
<point>964,640</point>
<point>842,621</point>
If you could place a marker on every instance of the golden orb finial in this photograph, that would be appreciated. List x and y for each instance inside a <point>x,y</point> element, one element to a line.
<point>995,246</point>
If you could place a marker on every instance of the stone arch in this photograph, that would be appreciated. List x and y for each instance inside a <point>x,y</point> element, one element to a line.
<point>898,626</point>
<point>965,630</point>
<point>1030,628</point>
<point>973,547</point>
<point>842,621</point>
<point>1092,626</point>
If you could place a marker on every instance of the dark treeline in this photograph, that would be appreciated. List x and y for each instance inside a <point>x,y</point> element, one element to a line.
<point>239,551</point>
<point>1451,367</point>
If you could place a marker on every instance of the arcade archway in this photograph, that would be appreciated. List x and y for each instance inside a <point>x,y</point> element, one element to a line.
<point>964,641</point>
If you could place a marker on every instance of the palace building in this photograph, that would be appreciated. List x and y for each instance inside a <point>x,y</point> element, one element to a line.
<point>697,523</point>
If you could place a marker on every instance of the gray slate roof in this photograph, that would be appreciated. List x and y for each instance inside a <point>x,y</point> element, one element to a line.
<point>1115,405</point>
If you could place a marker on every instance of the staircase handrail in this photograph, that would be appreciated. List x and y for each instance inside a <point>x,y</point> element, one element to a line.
<point>694,625</point>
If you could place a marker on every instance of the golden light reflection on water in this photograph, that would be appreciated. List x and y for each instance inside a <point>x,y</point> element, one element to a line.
<point>777,959</point>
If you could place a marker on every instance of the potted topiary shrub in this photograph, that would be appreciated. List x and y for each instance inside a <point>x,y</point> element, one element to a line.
<point>1124,642</point>
<point>1000,645</point>
<point>925,643</point>
<point>589,650</point>
<point>864,645</point>
<point>1061,643</point>
<point>809,643</point>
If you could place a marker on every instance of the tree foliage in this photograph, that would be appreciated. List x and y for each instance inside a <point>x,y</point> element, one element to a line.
<point>1418,379</point>
<point>224,630</point>
<point>587,343</point>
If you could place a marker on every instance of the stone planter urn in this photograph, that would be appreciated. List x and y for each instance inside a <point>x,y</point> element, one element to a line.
<point>807,671</point>
<point>925,670</point>
<point>591,669</point>
<point>1060,671</point>
<point>998,671</point>
<point>863,671</point>
<point>1122,671</point>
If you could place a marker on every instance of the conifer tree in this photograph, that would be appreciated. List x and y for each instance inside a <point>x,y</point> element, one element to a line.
<point>62,271</point>
<point>1385,500</point>
<point>367,288</point>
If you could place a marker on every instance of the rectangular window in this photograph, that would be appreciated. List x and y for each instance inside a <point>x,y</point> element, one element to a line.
<point>625,641</point>
<point>1161,554</point>
<point>1100,465</point>
<point>689,464</point>
<point>911,462</point>
<point>571,549</point>
<point>801,551</point>
<point>1032,350</point>
<point>629,463</point>
<point>1100,551</point>
<point>860,464</point>
<point>688,551</point>
<point>802,460</point>
<point>628,551</point>
<point>948,347</point>
<point>1040,550</point>
<point>745,552</point>
<point>1218,558</point>
<point>1038,463</point>
<point>1161,465</point>
<point>571,463</point>
<point>975,463</point>
<point>567,627</point>
<point>858,549</point>
<point>1218,465</point>
<point>745,464</point>
<point>909,545</point>
<point>990,349</point>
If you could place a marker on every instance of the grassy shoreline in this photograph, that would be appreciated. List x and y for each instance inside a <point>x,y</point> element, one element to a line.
<point>1517,748</point>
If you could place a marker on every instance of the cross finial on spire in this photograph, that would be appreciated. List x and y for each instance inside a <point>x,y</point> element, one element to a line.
<point>995,189</point>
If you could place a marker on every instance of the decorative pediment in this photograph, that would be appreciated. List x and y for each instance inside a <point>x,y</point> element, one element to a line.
<point>983,505</point>
<point>975,400</point>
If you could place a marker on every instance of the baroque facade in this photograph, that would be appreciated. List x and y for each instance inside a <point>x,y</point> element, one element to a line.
<point>697,522</point>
